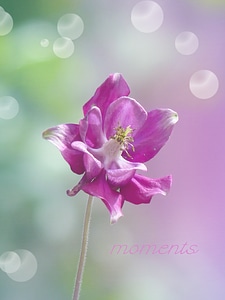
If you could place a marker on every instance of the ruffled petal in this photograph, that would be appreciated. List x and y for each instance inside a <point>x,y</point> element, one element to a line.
<point>141,189</point>
<point>62,136</point>
<point>91,164</point>
<point>153,135</point>
<point>111,89</point>
<point>122,171</point>
<point>124,112</point>
<point>119,177</point>
<point>129,165</point>
<point>91,128</point>
<point>78,186</point>
<point>111,198</point>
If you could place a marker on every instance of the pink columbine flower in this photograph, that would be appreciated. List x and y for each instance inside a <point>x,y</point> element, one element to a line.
<point>111,143</point>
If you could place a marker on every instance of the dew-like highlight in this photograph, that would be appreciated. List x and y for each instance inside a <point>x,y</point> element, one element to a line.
<point>147,16</point>
<point>204,84</point>
<point>70,26</point>
<point>9,107</point>
<point>186,43</point>
<point>10,262</point>
<point>28,266</point>
<point>44,43</point>
<point>63,47</point>
<point>6,22</point>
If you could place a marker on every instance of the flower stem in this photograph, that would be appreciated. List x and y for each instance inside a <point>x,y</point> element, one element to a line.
<point>83,251</point>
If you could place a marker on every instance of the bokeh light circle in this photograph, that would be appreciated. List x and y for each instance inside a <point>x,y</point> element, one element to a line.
<point>204,84</point>
<point>63,47</point>
<point>147,16</point>
<point>44,43</point>
<point>70,26</point>
<point>186,43</point>
<point>10,262</point>
<point>9,107</point>
<point>28,267</point>
<point>6,22</point>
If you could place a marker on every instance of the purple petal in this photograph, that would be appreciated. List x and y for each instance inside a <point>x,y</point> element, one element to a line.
<point>119,177</point>
<point>111,89</point>
<point>91,128</point>
<point>153,135</point>
<point>91,164</point>
<point>77,187</point>
<point>122,171</point>
<point>62,137</point>
<point>124,112</point>
<point>111,198</point>
<point>129,165</point>
<point>141,189</point>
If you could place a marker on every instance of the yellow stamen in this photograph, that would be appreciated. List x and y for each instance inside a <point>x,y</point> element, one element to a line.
<point>124,138</point>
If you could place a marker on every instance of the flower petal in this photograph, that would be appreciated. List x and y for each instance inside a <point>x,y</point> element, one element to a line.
<point>111,198</point>
<point>78,186</point>
<point>119,177</point>
<point>129,165</point>
<point>153,135</point>
<point>91,128</point>
<point>122,171</point>
<point>62,137</point>
<point>111,89</point>
<point>91,164</point>
<point>124,112</point>
<point>141,189</point>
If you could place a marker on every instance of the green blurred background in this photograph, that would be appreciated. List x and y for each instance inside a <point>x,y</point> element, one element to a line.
<point>36,214</point>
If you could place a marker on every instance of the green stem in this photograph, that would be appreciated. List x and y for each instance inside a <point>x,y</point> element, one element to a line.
<point>83,252</point>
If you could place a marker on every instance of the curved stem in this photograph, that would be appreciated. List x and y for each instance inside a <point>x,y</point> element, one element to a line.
<point>83,252</point>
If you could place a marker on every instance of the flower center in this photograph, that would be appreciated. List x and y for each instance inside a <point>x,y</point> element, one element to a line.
<point>109,154</point>
<point>124,137</point>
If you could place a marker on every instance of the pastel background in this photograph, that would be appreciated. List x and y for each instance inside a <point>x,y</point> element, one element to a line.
<point>35,213</point>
